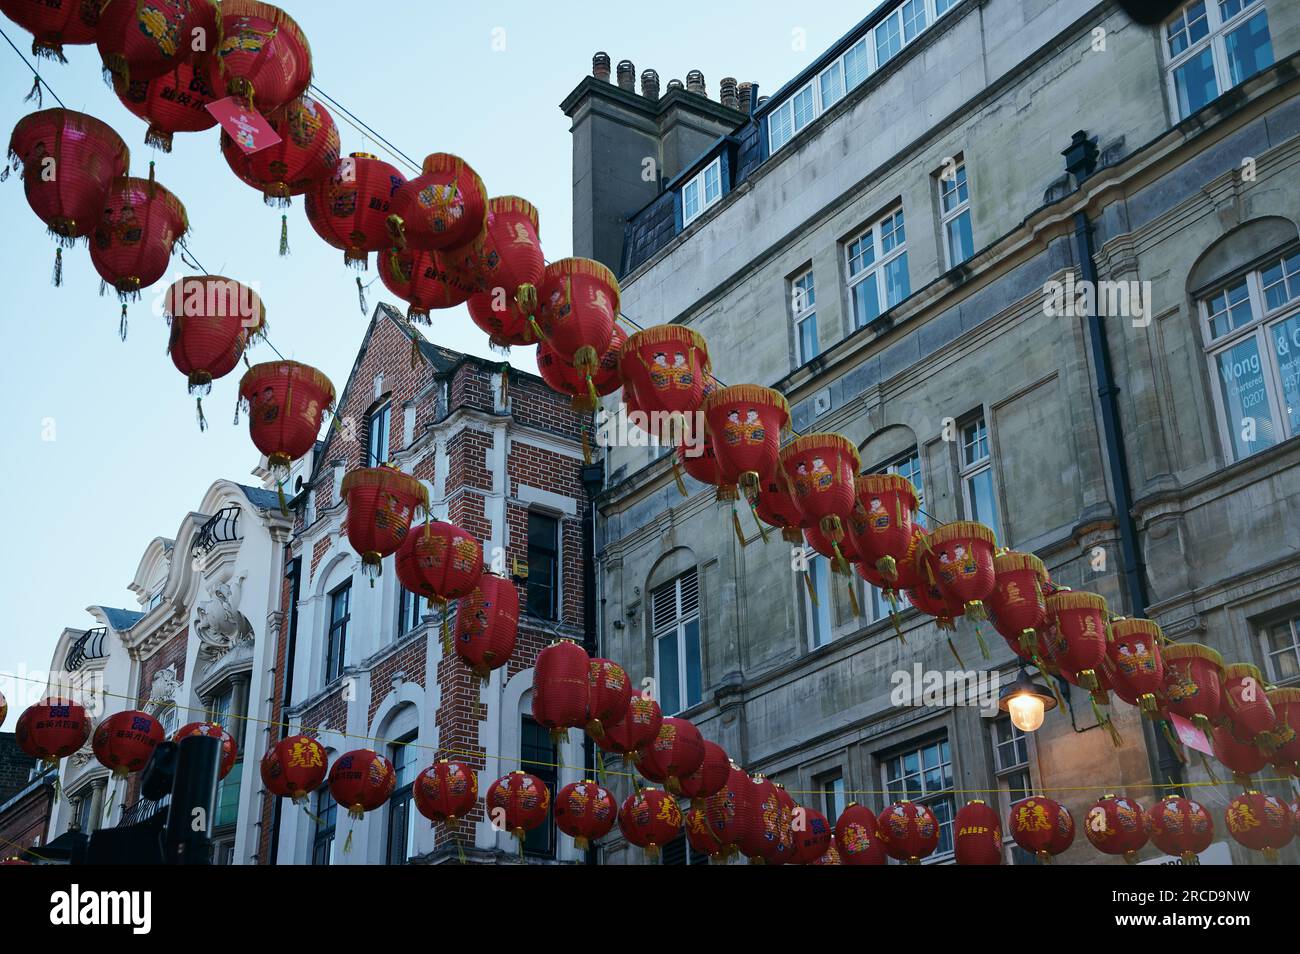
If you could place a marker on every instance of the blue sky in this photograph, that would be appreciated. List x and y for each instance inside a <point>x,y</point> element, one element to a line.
<point>127,460</point>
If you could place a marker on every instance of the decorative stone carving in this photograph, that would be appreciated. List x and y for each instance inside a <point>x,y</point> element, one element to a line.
<point>218,623</point>
<point>164,688</point>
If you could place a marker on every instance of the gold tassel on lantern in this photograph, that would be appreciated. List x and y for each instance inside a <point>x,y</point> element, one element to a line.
<point>284,235</point>
<point>952,648</point>
<point>526,299</point>
<point>853,600</point>
<point>735,522</point>
<point>812,590</point>
<point>677,476</point>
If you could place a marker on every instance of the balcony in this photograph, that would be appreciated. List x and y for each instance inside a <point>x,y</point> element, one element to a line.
<point>89,646</point>
<point>221,527</point>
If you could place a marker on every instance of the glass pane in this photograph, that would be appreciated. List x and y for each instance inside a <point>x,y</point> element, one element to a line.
<point>913,19</point>
<point>1286,346</point>
<point>888,41</point>
<point>670,698</point>
<point>1281,282</point>
<point>1249,48</point>
<point>862,252</point>
<point>866,300</point>
<point>803,107</point>
<point>855,64</point>
<point>1188,28</point>
<point>891,232</point>
<point>690,201</point>
<point>780,125</point>
<point>979,489</point>
<point>712,183</point>
<point>943,6</point>
<point>1195,84</point>
<point>1230,309</point>
<point>691,637</point>
<point>819,567</point>
<point>954,189</point>
<point>960,243</point>
<point>897,285</point>
<point>942,809</point>
<point>832,86</point>
<point>808,348</point>
<point>1245,398</point>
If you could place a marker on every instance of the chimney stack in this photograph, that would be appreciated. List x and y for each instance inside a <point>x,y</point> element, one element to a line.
<point>627,75</point>
<point>600,66</point>
<point>727,93</point>
<point>745,97</point>
<point>695,83</point>
<point>650,85</point>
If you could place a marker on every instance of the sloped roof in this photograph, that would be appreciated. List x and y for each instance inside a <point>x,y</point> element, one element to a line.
<point>261,499</point>
<point>121,619</point>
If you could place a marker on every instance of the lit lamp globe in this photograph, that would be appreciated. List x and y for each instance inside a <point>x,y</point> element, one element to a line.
<point>1026,702</point>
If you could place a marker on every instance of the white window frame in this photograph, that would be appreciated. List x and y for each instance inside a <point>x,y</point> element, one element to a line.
<point>382,414</point>
<point>952,180</point>
<point>1263,320</point>
<point>677,630</point>
<point>970,467</point>
<point>1005,775</point>
<point>1292,625</point>
<point>833,797</point>
<point>1218,29</point>
<point>803,307</point>
<point>926,797</point>
<point>700,183</point>
<point>880,260</point>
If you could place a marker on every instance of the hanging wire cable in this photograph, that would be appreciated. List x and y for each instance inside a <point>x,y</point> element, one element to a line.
<point>40,80</point>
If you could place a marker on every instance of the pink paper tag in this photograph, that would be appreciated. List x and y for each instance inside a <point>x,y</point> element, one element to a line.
<point>1189,735</point>
<point>245,125</point>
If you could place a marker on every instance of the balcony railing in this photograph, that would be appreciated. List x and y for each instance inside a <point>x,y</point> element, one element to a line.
<point>143,810</point>
<point>89,646</point>
<point>222,527</point>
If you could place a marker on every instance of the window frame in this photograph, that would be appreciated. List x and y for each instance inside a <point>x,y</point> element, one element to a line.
<point>1291,622</point>
<point>548,772</point>
<point>961,179</point>
<point>880,261</point>
<point>677,630</point>
<point>556,581</point>
<point>382,415</point>
<point>1215,40</point>
<point>332,625</point>
<point>918,746</point>
<point>834,799</point>
<point>805,293</point>
<point>408,603</point>
<point>402,799</point>
<point>324,836</point>
<point>968,470</point>
<point>1259,328</point>
<point>1006,775</point>
<point>701,182</point>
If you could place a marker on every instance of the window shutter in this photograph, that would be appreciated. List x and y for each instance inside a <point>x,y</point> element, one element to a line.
<point>663,606</point>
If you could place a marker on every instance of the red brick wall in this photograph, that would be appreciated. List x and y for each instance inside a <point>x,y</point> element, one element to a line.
<point>170,653</point>
<point>27,823</point>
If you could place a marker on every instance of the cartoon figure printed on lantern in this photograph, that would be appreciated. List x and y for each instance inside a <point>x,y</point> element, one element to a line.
<point>392,515</point>
<point>342,199</point>
<point>960,563</point>
<point>1135,659</point>
<point>878,516</point>
<point>304,124</point>
<point>856,838</point>
<point>446,203</point>
<point>521,236</point>
<point>1180,685</point>
<point>244,39</point>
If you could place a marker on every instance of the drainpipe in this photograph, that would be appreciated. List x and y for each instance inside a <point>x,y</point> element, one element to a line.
<point>593,480</point>
<point>1081,162</point>
<point>294,574</point>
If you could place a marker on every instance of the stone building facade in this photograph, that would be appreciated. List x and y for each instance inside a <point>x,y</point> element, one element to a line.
<point>878,239</point>
<point>362,665</point>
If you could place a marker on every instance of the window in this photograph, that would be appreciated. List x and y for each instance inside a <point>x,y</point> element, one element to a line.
<point>401,810</point>
<point>322,849</point>
<point>954,213</point>
<point>1252,333</point>
<point>679,851</point>
<point>831,785</point>
<point>913,19</point>
<point>977,475</point>
<point>1282,650</point>
<point>543,565</point>
<point>803,305</point>
<point>820,628</point>
<point>411,609</point>
<point>675,627</point>
<point>538,756</point>
<point>877,268</point>
<point>377,435</point>
<point>1211,46</point>
<point>155,600</point>
<point>889,40</point>
<point>336,644</point>
<point>943,6</point>
<point>1011,763</point>
<point>909,466</point>
<point>924,775</point>
<point>832,84</point>
<point>702,191</point>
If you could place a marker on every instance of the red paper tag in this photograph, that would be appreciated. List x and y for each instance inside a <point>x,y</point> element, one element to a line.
<point>245,125</point>
<point>1189,735</point>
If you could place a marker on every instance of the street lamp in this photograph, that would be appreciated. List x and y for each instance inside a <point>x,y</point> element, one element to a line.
<point>1026,702</point>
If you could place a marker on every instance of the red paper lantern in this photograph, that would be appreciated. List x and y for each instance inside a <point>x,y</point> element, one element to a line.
<point>609,690</point>
<point>445,792</point>
<point>172,103</point>
<point>143,39</point>
<point>584,389</point>
<point>840,554</point>
<point>1041,825</point>
<point>666,367</point>
<point>708,779</point>
<point>517,803</point>
<point>977,835</point>
<point>286,403</point>
<point>1261,822</point>
<point>381,505</point>
<point>676,752</point>
<point>857,836</point>
<point>959,559</point>
<point>52,729</point>
<point>306,155</point>
<point>424,280</point>
<point>560,687</point>
<point>585,812</point>
<point>53,25</point>
<point>361,781</point>
<point>294,767</point>
<point>784,851</point>
<point>703,466</point>
<point>132,244</point>
<point>263,57</point>
<point>822,469</point>
<point>1139,670</point>
<point>507,263</point>
<point>444,207</point>
<point>1285,735</point>
<point>700,836</point>
<point>578,309</point>
<point>760,827</point>
<point>637,729</point>
<point>909,574</point>
<point>1243,757</point>
<point>349,209</point>
<point>1017,607</point>
<point>1180,826</point>
<point>775,506</point>
<point>229,750</point>
<point>1193,682</point>
<point>908,831</point>
<point>812,836</point>
<point>744,425</point>
<point>724,811</point>
<point>929,600</point>
<point>1116,826</point>
<point>442,563</point>
<point>832,857</point>
<point>888,505</point>
<point>650,819</point>
<point>1075,638</point>
<point>212,320</point>
<point>124,741</point>
<point>487,624</point>
<point>4,708</point>
<point>1246,705</point>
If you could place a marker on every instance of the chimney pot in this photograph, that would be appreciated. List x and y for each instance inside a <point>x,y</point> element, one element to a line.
<point>695,83</point>
<point>674,84</point>
<point>727,93</point>
<point>600,66</point>
<point>650,84</point>
<point>626,75</point>
<point>745,97</point>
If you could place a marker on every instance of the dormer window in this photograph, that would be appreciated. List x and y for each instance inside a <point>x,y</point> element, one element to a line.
<point>702,191</point>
